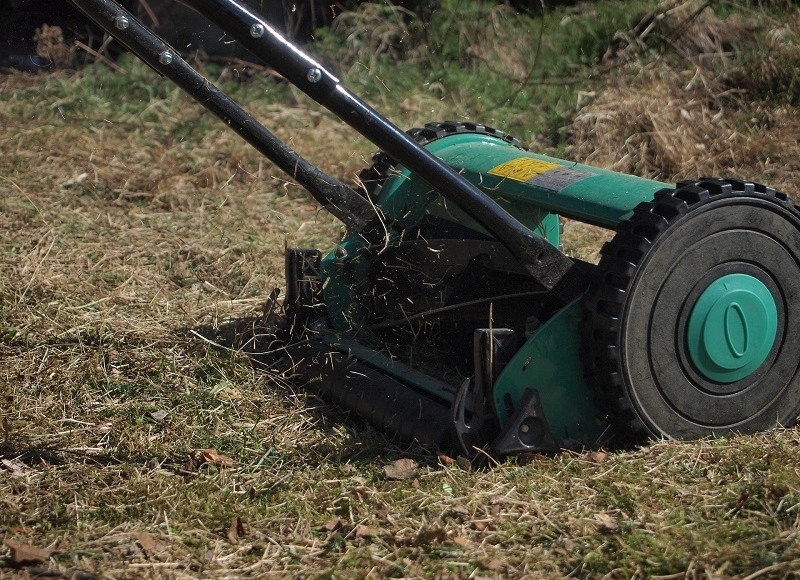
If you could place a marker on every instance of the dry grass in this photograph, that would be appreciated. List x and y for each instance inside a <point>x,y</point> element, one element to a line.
<point>700,116</point>
<point>133,231</point>
<point>373,30</point>
<point>661,129</point>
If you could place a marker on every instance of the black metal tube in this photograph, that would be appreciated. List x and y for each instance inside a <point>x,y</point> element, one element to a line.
<point>344,203</point>
<point>545,263</point>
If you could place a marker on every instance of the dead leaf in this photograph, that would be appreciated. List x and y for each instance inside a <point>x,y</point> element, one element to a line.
<point>146,541</point>
<point>457,511</point>
<point>481,525</point>
<point>606,523</point>
<point>16,468</point>
<point>495,565</point>
<point>236,530</point>
<point>75,180</point>
<point>348,469</point>
<point>211,457</point>
<point>460,542</point>
<point>25,554</point>
<point>464,463</point>
<point>446,459</point>
<point>597,456</point>
<point>159,416</point>
<point>363,531</point>
<point>334,525</point>
<point>401,469</point>
<point>430,536</point>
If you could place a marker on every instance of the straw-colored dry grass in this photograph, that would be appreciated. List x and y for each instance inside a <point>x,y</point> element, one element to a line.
<point>706,115</point>
<point>134,231</point>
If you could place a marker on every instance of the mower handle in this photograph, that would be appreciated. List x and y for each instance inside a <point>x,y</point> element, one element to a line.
<point>545,263</point>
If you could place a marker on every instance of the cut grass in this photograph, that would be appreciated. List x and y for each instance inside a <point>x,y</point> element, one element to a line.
<point>134,232</point>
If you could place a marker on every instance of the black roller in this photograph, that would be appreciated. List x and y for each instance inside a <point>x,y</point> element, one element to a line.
<point>674,250</point>
<point>386,403</point>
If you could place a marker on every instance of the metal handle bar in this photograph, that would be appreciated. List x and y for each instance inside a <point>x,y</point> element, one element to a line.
<point>546,264</point>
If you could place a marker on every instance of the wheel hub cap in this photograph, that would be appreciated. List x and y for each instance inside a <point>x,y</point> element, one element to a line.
<point>732,328</point>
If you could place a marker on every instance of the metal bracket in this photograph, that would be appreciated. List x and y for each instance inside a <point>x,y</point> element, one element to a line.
<point>304,301</point>
<point>492,349</point>
<point>527,431</point>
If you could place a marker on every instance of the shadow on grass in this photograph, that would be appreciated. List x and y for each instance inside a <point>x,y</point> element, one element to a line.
<point>32,454</point>
<point>261,339</point>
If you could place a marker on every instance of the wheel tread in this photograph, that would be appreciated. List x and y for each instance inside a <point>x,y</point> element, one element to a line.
<point>371,179</point>
<point>620,260</point>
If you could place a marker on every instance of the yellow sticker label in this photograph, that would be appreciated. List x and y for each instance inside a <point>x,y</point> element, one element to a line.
<point>523,168</point>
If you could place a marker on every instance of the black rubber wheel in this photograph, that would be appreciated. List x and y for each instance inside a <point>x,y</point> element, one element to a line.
<point>638,347</point>
<point>372,178</point>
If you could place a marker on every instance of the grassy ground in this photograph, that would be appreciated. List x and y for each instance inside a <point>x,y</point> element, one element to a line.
<point>131,225</point>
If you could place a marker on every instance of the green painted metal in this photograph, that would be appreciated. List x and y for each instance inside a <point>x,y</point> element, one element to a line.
<point>520,180</point>
<point>550,363</point>
<point>732,328</point>
<point>406,198</point>
<point>345,278</point>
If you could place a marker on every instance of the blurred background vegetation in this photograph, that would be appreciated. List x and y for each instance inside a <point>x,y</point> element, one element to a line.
<point>529,67</point>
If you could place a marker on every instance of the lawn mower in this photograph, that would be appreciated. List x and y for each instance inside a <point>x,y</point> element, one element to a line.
<point>449,314</point>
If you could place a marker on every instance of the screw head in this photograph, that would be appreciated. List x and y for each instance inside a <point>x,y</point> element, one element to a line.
<point>257,30</point>
<point>318,325</point>
<point>165,57</point>
<point>314,75</point>
<point>121,22</point>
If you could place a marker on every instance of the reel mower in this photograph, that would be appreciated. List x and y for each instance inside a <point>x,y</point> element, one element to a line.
<point>448,313</point>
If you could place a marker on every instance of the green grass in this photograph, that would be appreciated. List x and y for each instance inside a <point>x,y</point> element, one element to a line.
<point>482,61</point>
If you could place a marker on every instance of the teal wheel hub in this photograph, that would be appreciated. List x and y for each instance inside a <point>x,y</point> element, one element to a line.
<point>732,328</point>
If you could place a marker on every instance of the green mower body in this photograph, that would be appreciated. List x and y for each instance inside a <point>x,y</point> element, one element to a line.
<point>538,191</point>
<point>421,306</point>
